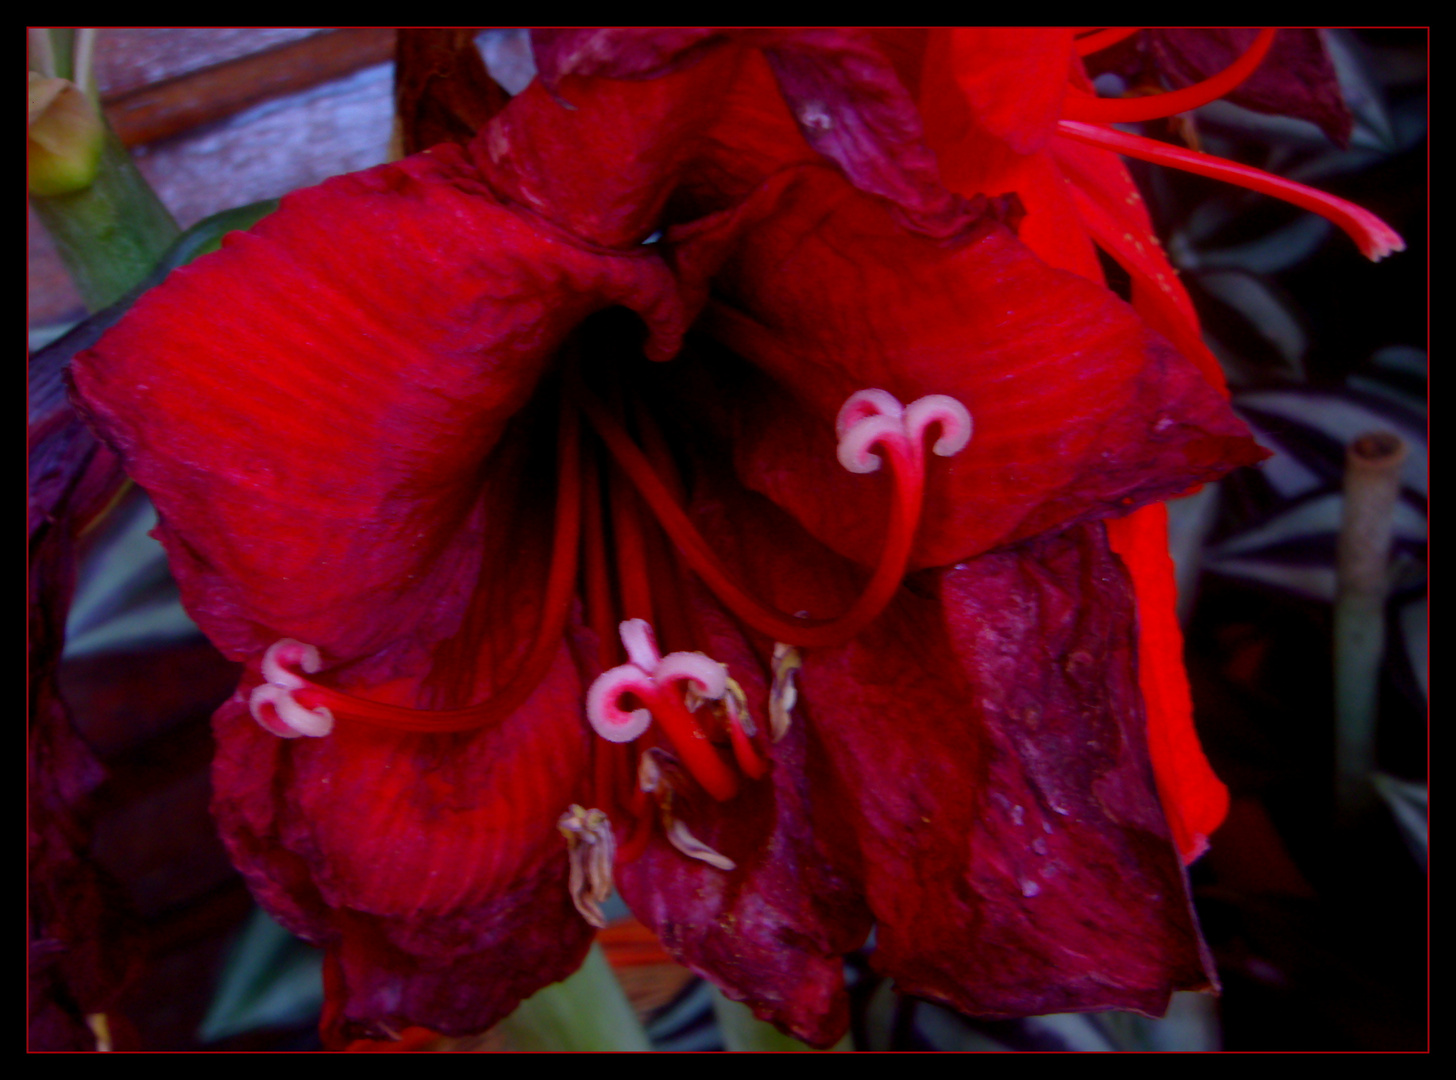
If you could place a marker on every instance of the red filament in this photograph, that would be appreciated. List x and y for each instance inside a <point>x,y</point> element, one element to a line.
<point>1080,106</point>
<point>907,465</point>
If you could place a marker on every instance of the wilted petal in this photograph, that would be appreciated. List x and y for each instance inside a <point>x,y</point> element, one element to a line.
<point>1017,859</point>
<point>1296,78</point>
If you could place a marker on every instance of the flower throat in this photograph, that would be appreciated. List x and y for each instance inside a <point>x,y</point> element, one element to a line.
<point>624,543</point>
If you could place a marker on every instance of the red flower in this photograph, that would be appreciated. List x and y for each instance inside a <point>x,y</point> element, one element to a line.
<point>415,465</point>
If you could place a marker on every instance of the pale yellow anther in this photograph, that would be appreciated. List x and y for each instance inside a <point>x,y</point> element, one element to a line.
<point>783,695</point>
<point>653,777</point>
<point>735,707</point>
<point>591,850</point>
<point>731,708</point>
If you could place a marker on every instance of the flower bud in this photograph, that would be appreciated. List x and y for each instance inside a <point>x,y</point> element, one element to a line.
<point>64,138</point>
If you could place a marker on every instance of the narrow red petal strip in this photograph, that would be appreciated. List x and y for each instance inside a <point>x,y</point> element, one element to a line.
<point>1194,799</point>
<point>1374,237</point>
<point>1080,106</point>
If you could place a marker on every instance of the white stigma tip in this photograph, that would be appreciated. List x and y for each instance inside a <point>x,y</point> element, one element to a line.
<point>285,653</point>
<point>953,417</point>
<point>640,643</point>
<point>709,678</point>
<point>292,719</point>
<point>856,445</point>
<point>603,703</point>
<point>864,403</point>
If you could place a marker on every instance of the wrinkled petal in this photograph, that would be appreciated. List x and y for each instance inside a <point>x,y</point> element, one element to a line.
<point>842,91</point>
<point>852,107</point>
<point>599,157</point>
<point>984,747</point>
<point>1018,861</point>
<point>83,941</point>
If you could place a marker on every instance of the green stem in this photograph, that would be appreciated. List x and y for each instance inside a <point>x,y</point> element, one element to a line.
<point>1372,484</point>
<point>111,234</point>
<point>587,1011</point>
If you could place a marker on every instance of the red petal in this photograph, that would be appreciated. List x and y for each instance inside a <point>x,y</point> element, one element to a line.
<point>1017,859</point>
<point>1079,410</point>
<point>1195,799</point>
<point>310,407</point>
<point>1013,79</point>
<point>430,866</point>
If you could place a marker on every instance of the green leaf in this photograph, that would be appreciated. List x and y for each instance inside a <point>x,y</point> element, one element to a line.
<point>272,979</point>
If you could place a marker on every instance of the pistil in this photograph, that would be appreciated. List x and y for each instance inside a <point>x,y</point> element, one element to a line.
<point>872,426</point>
<point>1374,238</point>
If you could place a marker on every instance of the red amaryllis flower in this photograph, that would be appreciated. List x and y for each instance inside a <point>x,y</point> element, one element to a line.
<point>681,487</point>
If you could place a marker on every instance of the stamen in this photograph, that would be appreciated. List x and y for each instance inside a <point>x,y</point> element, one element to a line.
<point>783,695</point>
<point>731,709</point>
<point>1081,106</point>
<point>867,420</point>
<point>1374,237</point>
<point>656,688</point>
<point>654,779</point>
<point>590,850</point>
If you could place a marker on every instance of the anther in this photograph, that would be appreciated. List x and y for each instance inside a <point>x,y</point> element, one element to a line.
<point>653,777</point>
<point>783,695</point>
<point>1374,237</point>
<point>591,849</point>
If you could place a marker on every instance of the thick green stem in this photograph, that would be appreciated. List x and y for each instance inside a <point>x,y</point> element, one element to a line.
<point>111,234</point>
<point>1372,484</point>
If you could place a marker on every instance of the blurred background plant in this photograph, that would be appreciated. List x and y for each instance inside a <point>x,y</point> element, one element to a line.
<point>1315,913</point>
